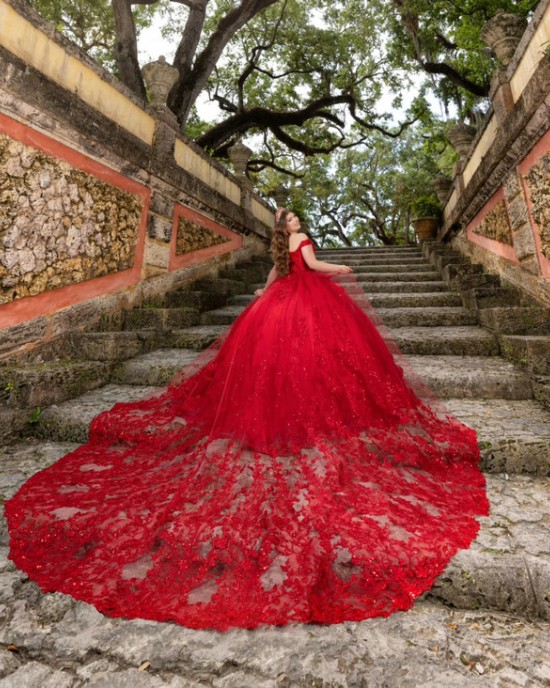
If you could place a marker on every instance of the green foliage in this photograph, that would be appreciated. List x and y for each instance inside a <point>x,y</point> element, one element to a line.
<point>35,416</point>
<point>91,24</point>
<point>426,206</point>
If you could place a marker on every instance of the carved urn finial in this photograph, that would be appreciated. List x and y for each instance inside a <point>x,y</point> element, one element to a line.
<point>239,154</point>
<point>461,137</point>
<point>159,78</point>
<point>442,185</point>
<point>280,194</point>
<point>502,33</point>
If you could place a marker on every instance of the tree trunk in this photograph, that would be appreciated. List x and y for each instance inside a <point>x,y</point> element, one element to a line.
<point>126,48</point>
<point>193,81</point>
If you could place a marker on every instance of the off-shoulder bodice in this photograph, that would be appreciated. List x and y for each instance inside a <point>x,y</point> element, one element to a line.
<point>297,262</point>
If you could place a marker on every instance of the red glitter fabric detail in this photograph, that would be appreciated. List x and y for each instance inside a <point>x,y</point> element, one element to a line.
<point>297,471</point>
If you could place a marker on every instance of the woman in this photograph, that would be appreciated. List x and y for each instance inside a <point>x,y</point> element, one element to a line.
<point>291,474</point>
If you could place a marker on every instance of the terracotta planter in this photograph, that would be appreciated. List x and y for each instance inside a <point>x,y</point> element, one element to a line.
<point>426,227</point>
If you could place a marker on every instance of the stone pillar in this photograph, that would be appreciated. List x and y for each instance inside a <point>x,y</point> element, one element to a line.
<point>159,78</point>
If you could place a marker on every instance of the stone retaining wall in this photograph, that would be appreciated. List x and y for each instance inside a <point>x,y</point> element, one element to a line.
<point>498,209</point>
<point>102,202</point>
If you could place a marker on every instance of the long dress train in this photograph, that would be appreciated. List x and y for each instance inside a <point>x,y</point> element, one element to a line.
<point>291,474</point>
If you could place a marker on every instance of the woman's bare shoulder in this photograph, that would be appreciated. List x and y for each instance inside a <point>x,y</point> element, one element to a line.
<point>296,239</point>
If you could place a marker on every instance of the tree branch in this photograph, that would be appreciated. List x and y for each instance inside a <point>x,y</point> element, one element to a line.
<point>125,48</point>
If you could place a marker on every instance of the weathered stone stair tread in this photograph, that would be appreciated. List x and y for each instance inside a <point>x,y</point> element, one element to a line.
<point>394,276</point>
<point>514,435</point>
<point>408,287</point>
<point>391,262</point>
<point>469,341</point>
<point>508,565</point>
<point>197,338</point>
<point>48,383</point>
<point>473,377</point>
<point>70,421</point>
<point>154,368</point>
<point>361,267</point>
<point>222,316</point>
<point>427,316</point>
<point>429,646</point>
<point>421,300</point>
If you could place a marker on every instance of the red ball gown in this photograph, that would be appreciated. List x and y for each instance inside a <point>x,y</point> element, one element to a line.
<point>293,473</point>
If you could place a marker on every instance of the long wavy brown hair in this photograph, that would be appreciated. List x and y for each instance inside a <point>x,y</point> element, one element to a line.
<point>279,243</point>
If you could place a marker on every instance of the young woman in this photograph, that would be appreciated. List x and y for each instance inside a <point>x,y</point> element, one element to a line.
<point>292,474</point>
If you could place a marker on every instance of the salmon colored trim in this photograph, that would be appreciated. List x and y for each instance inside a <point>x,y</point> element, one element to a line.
<point>50,302</point>
<point>496,247</point>
<point>177,262</point>
<point>541,148</point>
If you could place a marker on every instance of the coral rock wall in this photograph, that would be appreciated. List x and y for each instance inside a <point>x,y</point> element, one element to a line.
<point>193,237</point>
<point>58,224</point>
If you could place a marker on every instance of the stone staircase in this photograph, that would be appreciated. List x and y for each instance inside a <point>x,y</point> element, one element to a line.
<point>432,301</point>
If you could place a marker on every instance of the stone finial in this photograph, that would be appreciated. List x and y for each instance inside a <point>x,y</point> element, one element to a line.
<point>442,185</point>
<point>461,137</point>
<point>502,33</point>
<point>159,78</point>
<point>280,194</point>
<point>239,154</point>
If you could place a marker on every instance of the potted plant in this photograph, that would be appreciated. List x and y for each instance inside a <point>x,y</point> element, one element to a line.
<point>426,214</point>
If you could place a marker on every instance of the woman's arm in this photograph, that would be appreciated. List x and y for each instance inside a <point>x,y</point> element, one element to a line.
<point>270,279</point>
<point>321,265</point>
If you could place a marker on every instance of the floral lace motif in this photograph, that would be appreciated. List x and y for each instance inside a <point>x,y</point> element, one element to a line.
<point>297,471</point>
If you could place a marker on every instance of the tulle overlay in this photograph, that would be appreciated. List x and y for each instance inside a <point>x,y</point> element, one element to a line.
<point>294,472</point>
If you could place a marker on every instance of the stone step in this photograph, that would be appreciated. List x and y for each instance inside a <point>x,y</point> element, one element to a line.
<point>70,420</point>
<point>390,260</point>
<point>160,318</point>
<point>507,567</point>
<point>222,316</point>
<point>454,341</point>
<point>361,268</point>
<point>514,436</point>
<point>392,317</point>
<point>400,300</point>
<point>398,287</point>
<point>426,317</point>
<point>187,298</point>
<point>195,338</point>
<point>154,368</point>
<point>372,251</point>
<point>40,385</point>
<point>422,300</point>
<point>227,287</point>
<point>424,276</point>
<point>113,346</point>
<point>532,351</point>
<point>471,377</point>
<point>448,376</point>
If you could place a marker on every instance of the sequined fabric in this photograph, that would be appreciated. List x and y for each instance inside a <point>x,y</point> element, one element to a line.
<point>297,471</point>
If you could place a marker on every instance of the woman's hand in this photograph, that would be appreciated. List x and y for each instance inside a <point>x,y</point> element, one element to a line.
<point>259,292</point>
<point>342,269</point>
